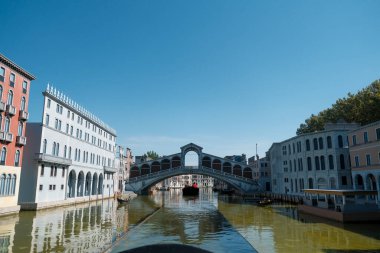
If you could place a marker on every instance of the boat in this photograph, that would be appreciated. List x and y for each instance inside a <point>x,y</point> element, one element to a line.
<point>121,200</point>
<point>264,202</point>
<point>190,191</point>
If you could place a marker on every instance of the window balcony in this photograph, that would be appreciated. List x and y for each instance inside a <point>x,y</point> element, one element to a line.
<point>23,115</point>
<point>11,110</point>
<point>41,157</point>
<point>21,140</point>
<point>2,106</point>
<point>8,137</point>
<point>109,169</point>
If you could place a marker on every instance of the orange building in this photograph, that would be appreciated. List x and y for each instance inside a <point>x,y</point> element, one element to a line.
<point>14,97</point>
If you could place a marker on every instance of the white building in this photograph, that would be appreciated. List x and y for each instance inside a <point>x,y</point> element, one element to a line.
<point>70,156</point>
<point>317,160</point>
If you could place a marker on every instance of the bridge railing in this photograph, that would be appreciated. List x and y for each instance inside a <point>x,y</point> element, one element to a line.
<point>192,168</point>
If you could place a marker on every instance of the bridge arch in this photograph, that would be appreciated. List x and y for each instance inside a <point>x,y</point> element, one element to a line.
<point>156,166</point>
<point>165,164</point>
<point>227,167</point>
<point>206,162</point>
<point>145,169</point>
<point>135,172</point>
<point>176,162</point>
<point>237,170</point>
<point>216,164</point>
<point>247,172</point>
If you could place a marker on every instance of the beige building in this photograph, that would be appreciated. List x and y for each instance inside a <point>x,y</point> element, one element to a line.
<point>364,145</point>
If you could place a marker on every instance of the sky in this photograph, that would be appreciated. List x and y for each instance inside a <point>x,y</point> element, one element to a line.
<point>226,75</point>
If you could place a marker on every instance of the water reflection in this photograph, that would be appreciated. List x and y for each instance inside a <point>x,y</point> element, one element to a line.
<point>215,223</point>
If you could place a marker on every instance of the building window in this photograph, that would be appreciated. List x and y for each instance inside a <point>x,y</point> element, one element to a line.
<point>320,140</point>
<point>10,98</point>
<point>20,128</point>
<point>340,141</point>
<point>63,171</point>
<point>357,163</point>
<point>42,169</point>
<point>344,180</point>
<point>331,162</point>
<point>7,124</point>
<point>1,92</point>
<point>2,74</point>
<point>44,146</point>
<point>24,87</point>
<point>69,152</point>
<point>317,163</point>
<point>12,79</point>
<point>329,142</point>
<point>17,158</point>
<point>48,103</point>
<point>68,114</point>
<point>65,151</point>
<point>53,148</point>
<point>41,187</point>
<point>51,171</point>
<point>315,142</point>
<point>378,134</point>
<point>3,156</point>
<point>71,130</point>
<point>47,119</point>
<point>323,166</point>
<point>342,163</point>
<point>368,159</point>
<point>365,137</point>
<point>309,166</point>
<point>50,187</point>
<point>61,186</point>
<point>23,104</point>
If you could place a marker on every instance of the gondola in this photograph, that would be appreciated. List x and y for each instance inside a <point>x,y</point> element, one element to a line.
<point>264,202</point>
<point>190,191</point>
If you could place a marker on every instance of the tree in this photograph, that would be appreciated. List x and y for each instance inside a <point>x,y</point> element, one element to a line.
<point>362,107</point>
<point>151,155</point>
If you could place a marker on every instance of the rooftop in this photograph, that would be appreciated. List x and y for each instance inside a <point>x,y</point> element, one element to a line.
<point>14,66</point>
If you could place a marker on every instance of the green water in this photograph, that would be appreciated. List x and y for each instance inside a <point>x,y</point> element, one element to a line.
<point>212,222</point>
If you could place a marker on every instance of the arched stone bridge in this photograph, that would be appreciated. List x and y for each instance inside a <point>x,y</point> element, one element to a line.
<point>147,174</point>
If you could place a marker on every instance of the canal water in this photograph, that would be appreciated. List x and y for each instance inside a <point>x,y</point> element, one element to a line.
<point>211,222</point>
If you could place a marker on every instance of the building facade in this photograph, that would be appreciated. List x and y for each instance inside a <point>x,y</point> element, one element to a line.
<point>14,101</point>
<point>364,145</point>
<point>318,160</point>
<point>70,156</point>
<point>261,171</point>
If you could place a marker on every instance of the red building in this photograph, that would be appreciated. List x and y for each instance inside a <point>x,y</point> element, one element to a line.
<point>14,101</point>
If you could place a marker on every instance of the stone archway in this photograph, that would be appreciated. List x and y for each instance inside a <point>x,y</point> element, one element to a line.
<point>71,184</point>
<point>191,147</point>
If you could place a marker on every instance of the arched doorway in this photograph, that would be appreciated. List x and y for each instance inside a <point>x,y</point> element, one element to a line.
<point>80,184</point>
<point>100,186</point>
<point>359,184</point>
<point>95,184</point>
<point>71,184</point>
<point>88,184</point>
<point>371,182</point>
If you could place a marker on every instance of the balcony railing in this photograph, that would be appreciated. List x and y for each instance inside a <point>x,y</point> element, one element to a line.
<point>21,140</point>
<point>2,106</point>
<point>23,115</point>
<point>8,137</point>
<point>11,110</point>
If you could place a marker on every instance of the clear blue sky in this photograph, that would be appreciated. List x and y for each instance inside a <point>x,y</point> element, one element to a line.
<point>222,74</point>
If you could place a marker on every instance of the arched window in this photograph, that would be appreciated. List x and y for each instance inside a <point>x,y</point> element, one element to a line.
<point>23,104</point>
<point>20,128</point>
<point>3,156</point>
<point>10,98</point>
<point>329,142</point>
<point>53,148</point>
<point>69,152</point>
<point>309,166</point>
<point>7,124</point>
<point>44,146</point>
<point>7,184</point>
<point>1,92</point>
<point>315,142</point>
<point>307,145</point>
<point>317,163</point>
<point>320,140</point>
<point>331,162</point>
<point>340,141</point>
<point>57,149</point>
<point>2,185</point>
<point>342,163</point>
<point>323,165</point>
<point>17,158</point>
<point>12,189</point>
<point>311,183</point>
<point>1,121</point>
<point>65,151</point>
